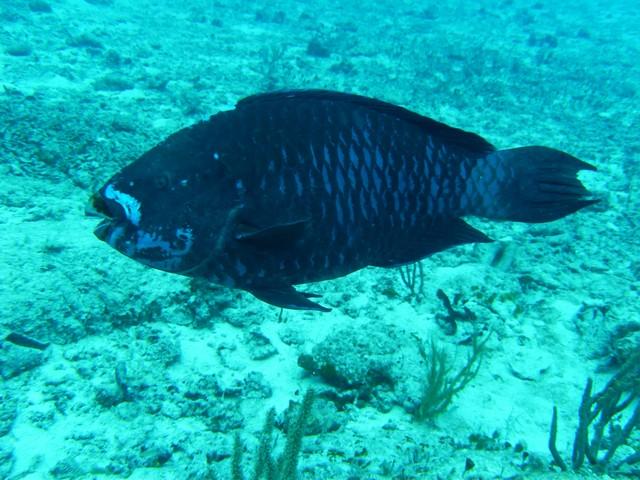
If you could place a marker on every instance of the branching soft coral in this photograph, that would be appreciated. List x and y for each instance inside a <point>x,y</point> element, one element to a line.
<point>441,385</point>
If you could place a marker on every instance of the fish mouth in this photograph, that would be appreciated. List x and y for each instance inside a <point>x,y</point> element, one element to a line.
<point>102,230</point>
<point>97,207</point>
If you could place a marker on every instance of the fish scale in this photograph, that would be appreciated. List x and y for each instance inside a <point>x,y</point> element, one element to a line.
<point>294,187</point>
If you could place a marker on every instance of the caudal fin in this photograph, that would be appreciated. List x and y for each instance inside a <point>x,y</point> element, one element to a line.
<point>540,185</point>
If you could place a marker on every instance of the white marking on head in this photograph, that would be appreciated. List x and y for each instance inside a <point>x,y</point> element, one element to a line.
<point>148,240</point>
<point>130,205</point>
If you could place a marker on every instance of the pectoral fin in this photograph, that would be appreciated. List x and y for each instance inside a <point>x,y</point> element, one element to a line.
<point>281,235</point>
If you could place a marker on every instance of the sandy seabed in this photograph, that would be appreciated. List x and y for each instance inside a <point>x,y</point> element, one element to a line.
<point>150,375</point>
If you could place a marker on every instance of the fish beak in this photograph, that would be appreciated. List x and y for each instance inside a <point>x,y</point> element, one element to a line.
<point>90,211</point>
<point>102,230</point>
<point>97,208</point>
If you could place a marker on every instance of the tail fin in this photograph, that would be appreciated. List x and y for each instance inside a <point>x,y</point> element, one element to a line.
<point>540,184</point>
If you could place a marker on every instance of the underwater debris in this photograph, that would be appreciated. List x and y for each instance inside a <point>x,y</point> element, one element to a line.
<point>448,322</point>
<point>120,374</point>
<point>108,396</point>
<point>441,385</point>
<point>266,465</point>
<point>24,341</point>
<point>606,421</point>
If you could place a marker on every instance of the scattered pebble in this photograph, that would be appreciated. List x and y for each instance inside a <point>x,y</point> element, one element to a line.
<point>40,6</point>
<point>19,50</point>
<point>112,83</point>
<point>15,360</point>
<point>315,48</point>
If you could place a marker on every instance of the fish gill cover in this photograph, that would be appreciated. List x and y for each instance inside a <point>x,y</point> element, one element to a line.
<point>116,370</point>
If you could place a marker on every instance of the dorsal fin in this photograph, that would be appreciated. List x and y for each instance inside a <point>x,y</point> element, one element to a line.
<point>467,140</point>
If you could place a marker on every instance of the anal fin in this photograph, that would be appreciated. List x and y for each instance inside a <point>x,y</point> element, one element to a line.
<point>442,234</point>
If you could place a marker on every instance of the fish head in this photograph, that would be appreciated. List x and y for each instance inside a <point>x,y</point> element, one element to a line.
<point>167,209</point>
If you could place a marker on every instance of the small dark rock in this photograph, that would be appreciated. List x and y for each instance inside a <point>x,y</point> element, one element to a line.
<point>262,16</point>
<point>279,17</point>
<point>112,83</point>
<point>583,33</point>
<point>17,360</point>
<point>428,14</point>
<point>624,342</point>
<point>548,41</point>
<point>112,59</point>
<point>44,418</point>
<point>492,443</point>
<point>468,464</point>
<point>108,397</point>
<point>224,416</point>
<point>256,386</point>
<point>122,125</point>
<point>40,6</point>
<point>157,456</point>
<point>292,336</point>
<point>265,16</point>
<point>164,350</point>
<point>7,459</point>
<point>85,41</point>
<point>344,68</point>
<point>324,418</point>
<point>624,90</point>
<point>68,467</point>
<point>315,48</point>
<point>8,412</point>
<point>260,347</point>
<point>19,50</point>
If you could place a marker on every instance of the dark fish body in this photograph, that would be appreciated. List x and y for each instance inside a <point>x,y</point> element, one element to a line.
<point>295,187</point>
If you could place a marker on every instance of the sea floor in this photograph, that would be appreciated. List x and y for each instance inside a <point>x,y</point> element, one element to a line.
<point>151,375</point>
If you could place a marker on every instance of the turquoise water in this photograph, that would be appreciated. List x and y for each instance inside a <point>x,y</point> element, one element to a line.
<point>145,374</point>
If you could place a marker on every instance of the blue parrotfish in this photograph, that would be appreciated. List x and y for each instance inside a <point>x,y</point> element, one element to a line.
<point>302,186</point>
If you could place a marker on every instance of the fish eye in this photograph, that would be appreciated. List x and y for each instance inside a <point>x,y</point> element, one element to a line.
<point>161,181</point>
